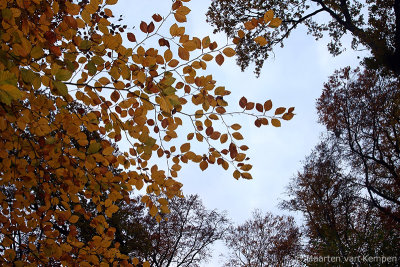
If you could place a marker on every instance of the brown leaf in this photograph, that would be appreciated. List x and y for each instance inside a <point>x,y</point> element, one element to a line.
<point>150,27</point>
<point>268,105</point>
<point>249,105</point>
<point>131,37</point>
<point>243,102</point>
<point>280,110</point>
<point>209,130</point>
<point>185,147</point>
<point>143,26</point>
<point>55,50</point>
<point>233,150</point>
<point>203,165</point>
<point>183,53</point>
<point>115,96</point>
<point>220,59</point>
<point>259,107</point>
<point>287,116</point>
<point>157,17</point>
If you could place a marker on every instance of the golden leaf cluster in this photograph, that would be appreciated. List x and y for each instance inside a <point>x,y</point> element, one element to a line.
<point>70,91</point>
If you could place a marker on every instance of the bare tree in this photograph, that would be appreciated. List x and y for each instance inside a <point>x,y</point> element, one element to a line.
<point>185,235</point>
<point>339,221</point>
<point>263,240</point>
<point>361,109</point>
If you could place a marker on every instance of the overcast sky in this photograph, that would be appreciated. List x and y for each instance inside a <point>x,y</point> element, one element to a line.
<point>293,76</point>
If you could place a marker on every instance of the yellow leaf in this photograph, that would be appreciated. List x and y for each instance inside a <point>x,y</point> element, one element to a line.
<point>12,91</point>
<point>135,261</point>
<point>268,16</point>
<point>261,40</point>
<point>206,42</point>
<point>108,151</point>
<point>37,52</point>
<point>173,63</point>
<point>229,52</point>
<point>190,45</point>
<point>236,127</point>
<point>141,77</point>
<point>167,55</point>
<point>184,10</point>
<point>276,122</point>
<point>93,148</point>
<point>183,53</point>
<point>180,18</point>
<point>104,81</point>
<point>119,85</point>
<point>275,23</point>
<point>153,211</point>
<point>107,203</point>
<point>110,210</point>
<point>237,135</point>
<point>207,57</point>
<point>223,138</point>
<point>173,30</point>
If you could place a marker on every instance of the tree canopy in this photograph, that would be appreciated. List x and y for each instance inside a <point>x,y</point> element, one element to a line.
<point>361,110</point>
<point>339,218</point>
<point>74,83</point>
<point>374,25</point>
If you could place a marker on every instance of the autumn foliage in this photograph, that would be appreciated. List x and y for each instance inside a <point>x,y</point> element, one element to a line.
<point>72,85</point>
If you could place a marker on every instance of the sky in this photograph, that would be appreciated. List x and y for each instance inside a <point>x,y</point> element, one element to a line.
<point>292,76</point>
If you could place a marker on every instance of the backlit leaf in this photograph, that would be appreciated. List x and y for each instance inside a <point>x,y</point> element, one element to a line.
<point>229,52</point>
<point>261,40</point>
<point>276,122</point>
<point>275,23</point>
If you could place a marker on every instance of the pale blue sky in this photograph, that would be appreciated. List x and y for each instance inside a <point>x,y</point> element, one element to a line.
<point>293,76</point>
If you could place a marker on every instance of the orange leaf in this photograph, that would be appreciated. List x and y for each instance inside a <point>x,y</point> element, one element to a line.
<point>73,219</point>
<point>261,40</point>
<point>229,52</point>
<point>207,57</point>
<point>108,151</point>
<point>275,23</point>
<point>203,165</point>
<point>237,136</point>
<point>185,147</point>
<point>276,122</point>
<point>183,53</point>
<point>268,16</point>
